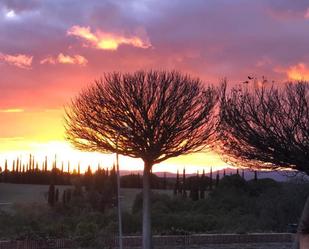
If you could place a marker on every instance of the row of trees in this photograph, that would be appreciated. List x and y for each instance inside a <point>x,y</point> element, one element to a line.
<point>34,173</point>
<point>196,186</point>
<point>157,115</point>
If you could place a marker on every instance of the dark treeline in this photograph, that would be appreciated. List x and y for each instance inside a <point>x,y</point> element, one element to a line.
<point>196,187</point>
<point>193,186</point>
<point>33,173</point>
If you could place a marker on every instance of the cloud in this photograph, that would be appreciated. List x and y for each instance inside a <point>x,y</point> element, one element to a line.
<point>21,5</point>
<point>299,71</point>
<point>106,40</point>
<point>12,110</point>
<point>18,60</point>
<point>307,14</point>
<point>65,59</point>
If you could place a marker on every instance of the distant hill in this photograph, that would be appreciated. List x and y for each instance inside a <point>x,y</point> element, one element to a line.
<point>280,176</point>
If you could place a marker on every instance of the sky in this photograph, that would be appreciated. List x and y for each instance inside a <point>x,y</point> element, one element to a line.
<point>50,50</point>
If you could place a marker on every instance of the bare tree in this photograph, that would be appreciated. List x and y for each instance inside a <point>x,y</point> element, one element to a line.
<point>267,127</point>
<point>152,115</point>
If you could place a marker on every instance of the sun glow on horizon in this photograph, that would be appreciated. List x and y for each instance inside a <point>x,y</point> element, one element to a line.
<point>65,154</point>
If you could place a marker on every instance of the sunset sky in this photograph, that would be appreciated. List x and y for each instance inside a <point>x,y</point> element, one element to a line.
<point>50,50</point>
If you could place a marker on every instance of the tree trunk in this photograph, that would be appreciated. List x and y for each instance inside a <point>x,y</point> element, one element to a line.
<point>147,237</point>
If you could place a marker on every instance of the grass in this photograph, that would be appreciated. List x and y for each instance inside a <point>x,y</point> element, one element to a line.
<point>29,193</point>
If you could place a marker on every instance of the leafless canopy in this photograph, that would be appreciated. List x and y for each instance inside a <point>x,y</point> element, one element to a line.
<point>266,127</point>
<point>153,115</point>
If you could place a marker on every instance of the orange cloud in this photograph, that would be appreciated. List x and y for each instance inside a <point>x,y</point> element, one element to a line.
<point>19,60</point>
<point>65,59</point>
<point>107,41</point>
<point>13,110</point>
<point>299,71</point>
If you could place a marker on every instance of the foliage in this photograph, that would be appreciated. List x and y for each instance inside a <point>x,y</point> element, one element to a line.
<point>234,206</point>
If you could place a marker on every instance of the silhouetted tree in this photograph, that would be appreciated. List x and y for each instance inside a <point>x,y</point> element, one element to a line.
<point>51,195</point>
<point>255,175</point>
<point>149,115</point>
<point>217,178</point>
<point>176,188</point>
<point>184,186</point>
<point>194,187</point>
<point>202,185</point>
<point>267,127</point>
<point>210,176</point>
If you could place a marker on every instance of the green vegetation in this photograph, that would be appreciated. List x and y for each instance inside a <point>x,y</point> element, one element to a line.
<point>234,206</point>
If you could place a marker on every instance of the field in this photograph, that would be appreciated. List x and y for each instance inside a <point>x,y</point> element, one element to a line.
<point>28,193</point>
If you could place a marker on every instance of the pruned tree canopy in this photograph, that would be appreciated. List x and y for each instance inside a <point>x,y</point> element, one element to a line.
<point>266,126</point>
<point>153,115</point>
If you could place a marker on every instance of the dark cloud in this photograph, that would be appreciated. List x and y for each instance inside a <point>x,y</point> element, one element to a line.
<point>20,5</point>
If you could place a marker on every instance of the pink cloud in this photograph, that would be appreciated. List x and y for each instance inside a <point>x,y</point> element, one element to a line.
<point>106,40</point>
<point>18,60</point>
<point>65,59</point>
<point>307,14</point>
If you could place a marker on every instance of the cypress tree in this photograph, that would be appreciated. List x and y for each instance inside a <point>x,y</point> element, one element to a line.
<point>33,163</point>
<point>62,168</point>
<point>176,188</point>
<point>30,161</point>
<point>202,185</point>
<point>51,195</point>
<point>18,164</point>
<point>184,187</point>
<point>210,175</point>
<point>5,174</point>
<point>55,162</point>
<point>45,164</point>
<point>255,175</point>
<point>217,178</point>
<point>6,165</point>
<point>194,188</point>
<point>140,181</point>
